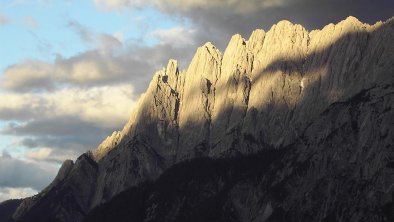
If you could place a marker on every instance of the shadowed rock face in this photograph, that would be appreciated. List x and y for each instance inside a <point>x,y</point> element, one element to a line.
<point>7,208</point>
<point>330,173</point>
<point>325,96</point>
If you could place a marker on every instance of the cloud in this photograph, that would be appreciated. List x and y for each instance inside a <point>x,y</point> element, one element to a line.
<point>119,36</point>
<point>21,178</point>
<point>74,136</point>
<point>87,69</point>
<point>93,105</point>
<point>16,173</point>
<point>63,147</point>
<point>250,8</point>
<point>39,154</point>
<point>50,155</point>
<point>217,20</point>
<point>67,121</point>
<point>83,32</point>
<point>7,193</point>
<point>119,4</point>
<point>105,43</point>
<point>108,43</point>
<point>177,36</point>
<point>29,74</point>
<point>236,5</point>
<point>135,64</point>
<point>55,127</point>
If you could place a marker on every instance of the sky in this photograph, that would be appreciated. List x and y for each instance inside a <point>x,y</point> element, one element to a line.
<point>71,71</point>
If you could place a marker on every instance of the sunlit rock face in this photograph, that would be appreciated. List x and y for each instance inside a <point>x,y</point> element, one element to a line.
<point>287,87</point>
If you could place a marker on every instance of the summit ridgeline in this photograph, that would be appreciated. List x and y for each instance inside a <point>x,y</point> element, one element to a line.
<point>321,100</point>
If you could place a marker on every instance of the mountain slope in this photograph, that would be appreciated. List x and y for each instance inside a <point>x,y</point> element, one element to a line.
<point>335,177</point>
<point>273,91</point>
<point>7,208</point>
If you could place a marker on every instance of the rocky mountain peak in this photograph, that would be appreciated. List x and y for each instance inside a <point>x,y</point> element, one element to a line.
<point>108,144</point>
<point>270,92</point>
<point>256,40</point>
<point>171,74</point>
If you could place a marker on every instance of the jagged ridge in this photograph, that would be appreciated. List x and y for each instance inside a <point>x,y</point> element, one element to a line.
<point>324,178</point>
<point>262,93</point>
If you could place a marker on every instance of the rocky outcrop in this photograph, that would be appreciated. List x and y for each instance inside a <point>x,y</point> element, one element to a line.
<point>67,198</point>
<point>109,143</point>
<point>340,169</point>
<point>277,89</point>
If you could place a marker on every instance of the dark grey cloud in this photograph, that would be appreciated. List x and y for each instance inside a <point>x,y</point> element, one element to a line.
<point>19,173</point>
<point>72,142</point>
<point>217,22</point>
<point>57,126</point>
<point>18,114</point>
<point>30,142</point>
<point>66,132</point>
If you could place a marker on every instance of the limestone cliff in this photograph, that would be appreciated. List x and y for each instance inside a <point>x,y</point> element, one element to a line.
<point>267,92</point>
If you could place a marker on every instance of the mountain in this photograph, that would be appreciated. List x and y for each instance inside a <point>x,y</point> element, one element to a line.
<point>289,125</point>
<point>314,179</point>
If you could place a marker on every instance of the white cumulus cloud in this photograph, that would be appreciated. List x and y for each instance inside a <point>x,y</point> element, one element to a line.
<point>7,193</point>
<point>104,106</point>
<point>177,36</point>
